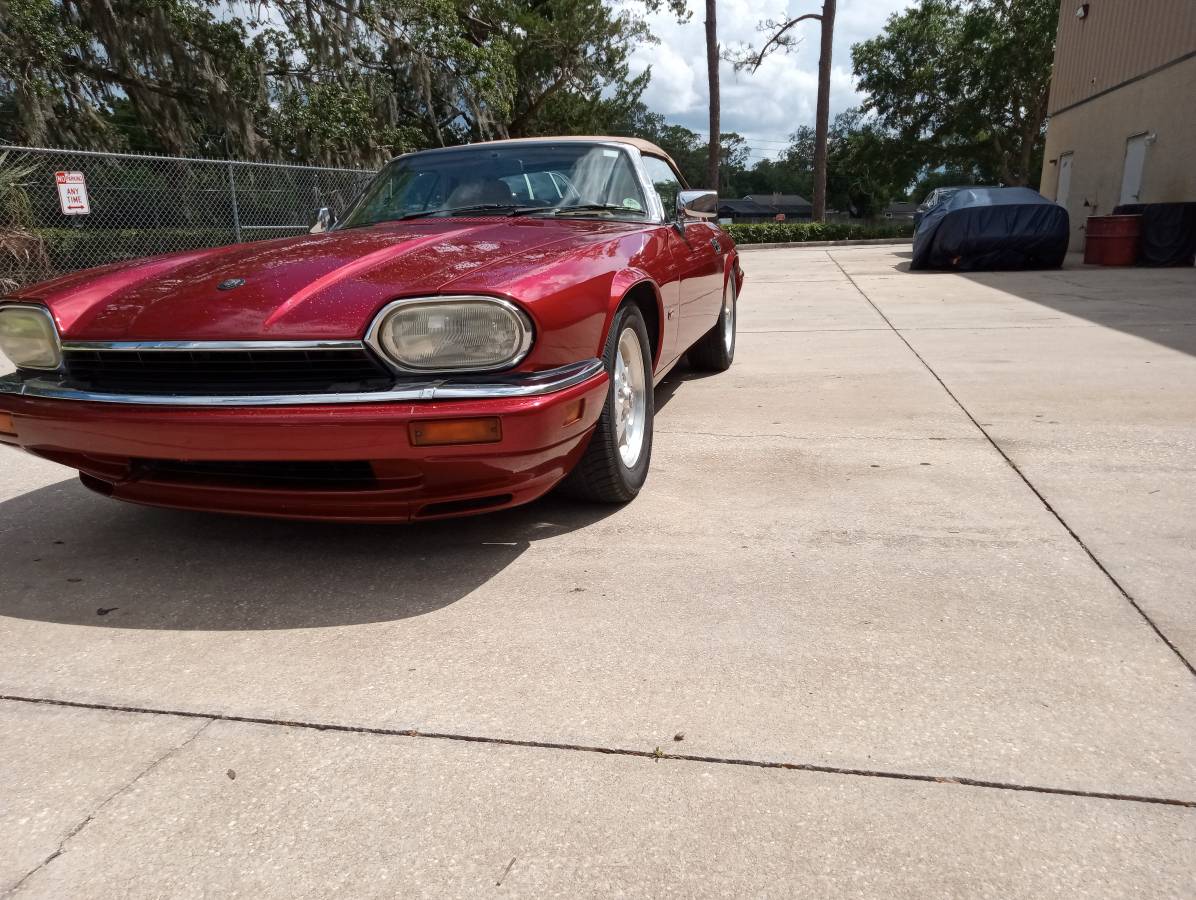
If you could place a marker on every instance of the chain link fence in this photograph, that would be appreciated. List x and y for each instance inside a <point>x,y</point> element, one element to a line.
<point>144,205</point>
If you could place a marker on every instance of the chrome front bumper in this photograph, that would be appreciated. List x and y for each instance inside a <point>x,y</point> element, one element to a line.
<point>532,384</point>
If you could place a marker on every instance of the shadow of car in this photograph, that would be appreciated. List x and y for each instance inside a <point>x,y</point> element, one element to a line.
<point>73,559</point>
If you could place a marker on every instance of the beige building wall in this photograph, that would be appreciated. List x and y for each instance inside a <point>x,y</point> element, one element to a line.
<point>1115,41</point>
<point>1162,106</point>
<point>1124,70</point>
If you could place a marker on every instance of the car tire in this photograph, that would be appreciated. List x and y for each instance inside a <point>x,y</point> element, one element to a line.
<point>615,464</point>
<point>715,350</point>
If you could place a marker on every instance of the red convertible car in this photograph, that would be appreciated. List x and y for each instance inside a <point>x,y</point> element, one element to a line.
<point>483,323</point>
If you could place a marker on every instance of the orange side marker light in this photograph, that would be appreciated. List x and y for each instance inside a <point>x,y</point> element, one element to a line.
<point>439,432</point>
<point>574,411</point>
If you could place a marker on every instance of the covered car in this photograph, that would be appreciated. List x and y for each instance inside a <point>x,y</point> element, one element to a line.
<point>992,228</point>
<point>933,199</point>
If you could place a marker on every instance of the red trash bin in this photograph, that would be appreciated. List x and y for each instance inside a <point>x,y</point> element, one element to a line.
<point>1112,240</point>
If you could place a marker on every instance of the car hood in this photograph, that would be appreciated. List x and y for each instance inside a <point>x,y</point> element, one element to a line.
<point>310,287</point>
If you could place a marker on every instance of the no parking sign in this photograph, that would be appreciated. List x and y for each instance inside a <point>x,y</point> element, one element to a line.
<point>72,193</point>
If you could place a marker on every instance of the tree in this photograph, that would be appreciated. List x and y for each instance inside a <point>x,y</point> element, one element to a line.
<point>865,172</point>
<point>786,175</point>
<point>67,61</point>
<point>734,156</point>
<point>559,48</point>
<point>782,38</point>
<point>822,116</point>
<point>338,82</point>
<point>688,149</point>
<point>936,178</point>
<point>965,83</point>
<point>712,62</point>
<point>21,248</point>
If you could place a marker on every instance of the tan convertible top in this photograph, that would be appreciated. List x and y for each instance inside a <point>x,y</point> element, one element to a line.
<point>646,147</point>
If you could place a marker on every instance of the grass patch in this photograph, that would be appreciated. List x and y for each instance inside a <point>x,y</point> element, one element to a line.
<point>800,232</point>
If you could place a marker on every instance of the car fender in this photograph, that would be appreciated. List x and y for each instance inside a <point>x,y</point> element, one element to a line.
<point>624,282</point>
<point>731,269</point>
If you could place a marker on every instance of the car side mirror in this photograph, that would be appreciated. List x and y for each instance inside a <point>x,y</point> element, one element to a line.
<point>324,220</point>
<point>697,204</point>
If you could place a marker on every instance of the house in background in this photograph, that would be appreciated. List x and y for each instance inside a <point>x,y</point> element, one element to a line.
<point>900,211</point>
<point>791,206</point>
<point>1122,111</point>
<point>743,211</point>
<point>765,208</point>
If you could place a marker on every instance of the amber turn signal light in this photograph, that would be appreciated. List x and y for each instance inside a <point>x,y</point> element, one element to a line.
<point>437,432</point>
<point>6,425</point>
<point>574,411</point>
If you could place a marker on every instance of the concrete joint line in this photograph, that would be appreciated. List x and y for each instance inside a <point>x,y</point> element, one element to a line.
<point>821,438</point>
<point>90,817</point>
<point>1042,327</point>
<point>1025,480</point>
<point>805,330</point>
<point>655,755</point>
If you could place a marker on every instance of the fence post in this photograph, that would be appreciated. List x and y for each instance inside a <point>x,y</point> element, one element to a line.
<point>232,190</point>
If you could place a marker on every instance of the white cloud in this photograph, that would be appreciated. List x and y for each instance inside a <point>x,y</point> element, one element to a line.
<point>672,88</point>
<point>765,106</point>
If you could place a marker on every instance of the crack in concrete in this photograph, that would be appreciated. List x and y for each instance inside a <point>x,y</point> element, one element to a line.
<point>655,755</point>
<point>90,817</point>
<point>1025,480</point>
<point>740,331</point>
<point>817,438</point>
<point>1043,327</point>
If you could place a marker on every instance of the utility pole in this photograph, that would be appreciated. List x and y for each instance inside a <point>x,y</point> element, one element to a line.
<point>712,77</point>
<point>823,114</point>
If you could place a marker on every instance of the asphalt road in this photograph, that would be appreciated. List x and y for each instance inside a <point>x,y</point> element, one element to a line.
<point>904,610</point>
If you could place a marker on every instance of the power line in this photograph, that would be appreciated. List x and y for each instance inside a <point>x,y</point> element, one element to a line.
<point>772,145</point>
<point>771,138</point>
<point>777,136</point>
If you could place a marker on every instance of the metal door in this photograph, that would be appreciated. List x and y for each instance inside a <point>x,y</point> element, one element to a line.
<point>1135,160</point>
<point>1063,188</point>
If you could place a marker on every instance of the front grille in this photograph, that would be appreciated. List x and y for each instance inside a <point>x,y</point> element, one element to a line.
<point>290,371</point>
<point>309,475</point>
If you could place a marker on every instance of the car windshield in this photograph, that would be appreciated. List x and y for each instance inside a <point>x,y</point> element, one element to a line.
<point>567,178</point>
<point>940,195</point>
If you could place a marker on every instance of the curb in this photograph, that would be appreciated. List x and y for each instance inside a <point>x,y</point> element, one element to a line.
<point>792,244</point>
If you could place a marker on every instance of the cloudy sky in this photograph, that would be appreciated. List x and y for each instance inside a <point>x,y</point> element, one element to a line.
<point>768,105</point>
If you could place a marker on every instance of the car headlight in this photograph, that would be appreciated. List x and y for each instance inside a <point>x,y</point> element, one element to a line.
<point>28,337</point>
<point>441,334</point>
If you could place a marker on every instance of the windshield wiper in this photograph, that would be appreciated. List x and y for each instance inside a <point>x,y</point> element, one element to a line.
<point>579,207</point>
<point>510,208</point>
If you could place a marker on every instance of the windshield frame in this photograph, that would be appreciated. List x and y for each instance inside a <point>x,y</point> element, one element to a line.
<point>654,209</point>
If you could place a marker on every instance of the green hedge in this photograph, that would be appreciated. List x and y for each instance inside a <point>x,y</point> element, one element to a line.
<point>70,249</point>
<point>794,232</point>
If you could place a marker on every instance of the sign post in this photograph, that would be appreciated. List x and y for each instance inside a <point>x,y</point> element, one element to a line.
<point>72,193</point>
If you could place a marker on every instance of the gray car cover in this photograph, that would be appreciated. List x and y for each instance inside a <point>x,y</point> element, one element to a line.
<point>992,228</point>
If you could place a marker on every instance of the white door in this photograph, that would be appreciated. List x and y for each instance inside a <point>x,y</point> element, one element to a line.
<point>1063,188</point>
<point>1135,160</point>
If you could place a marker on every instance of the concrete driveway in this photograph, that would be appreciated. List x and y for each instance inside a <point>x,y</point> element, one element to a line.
<point>906,609</point>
